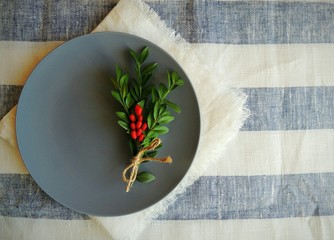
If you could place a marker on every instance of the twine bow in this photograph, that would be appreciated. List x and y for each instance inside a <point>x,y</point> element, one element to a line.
<point>138,159</point>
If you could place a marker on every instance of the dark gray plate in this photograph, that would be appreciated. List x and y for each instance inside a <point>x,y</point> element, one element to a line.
<point>67,129</point>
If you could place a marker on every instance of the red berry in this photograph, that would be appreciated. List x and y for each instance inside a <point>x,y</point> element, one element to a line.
<point>138,124</point>
<point>141,137</point>
<point>140,118</point>
<point>132,118</point>
<point>132,126</point>
<point>138,110</point>
<point>133,134</point>
<point>139,132</point>
<point>144,126</point>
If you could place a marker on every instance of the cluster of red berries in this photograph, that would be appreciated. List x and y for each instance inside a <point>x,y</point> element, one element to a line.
<point>137,125</point>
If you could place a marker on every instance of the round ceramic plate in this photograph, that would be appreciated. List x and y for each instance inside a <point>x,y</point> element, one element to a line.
<point>67,128</point>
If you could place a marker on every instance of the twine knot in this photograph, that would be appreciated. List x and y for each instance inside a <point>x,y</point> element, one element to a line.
<point>138,159</point>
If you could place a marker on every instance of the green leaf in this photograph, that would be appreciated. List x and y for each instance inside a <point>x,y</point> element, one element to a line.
<point>170,83</point>
<point>118,73</point>
<point>145,177</point>
<point>175,77</point>
<point>123,124</point>
<point>135,57</point>
<point>163,91</point>
<point>154,94</point>
<point>162,109</point>
<point>114,82</point>
<point>136,88</point>
<point>132,147</point>
<point>166,119</point>
<point>116,96</point>
<point>124,81</point>
<point>149,69</point>
<point>141,103</point>
<point>146,142</point>
<point>152,134</point>
<point>150,120</point>
<point>138,75</point>
<point>166,113</point>
<point>161,129</point>
<point>156,110</point>
<point>151,154</point>
<point>146,78</point>
<point>174,86</point>
<point>124,93</point>
<point>129,100</point>
<point>144,54</point>
<point>159,146</point>
<point>173,106</point>
<point>133,93</point>
<point>123,116</point>
<point>180,82</point>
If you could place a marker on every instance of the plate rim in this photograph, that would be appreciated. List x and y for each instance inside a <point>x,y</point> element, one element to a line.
<point>48,55</point>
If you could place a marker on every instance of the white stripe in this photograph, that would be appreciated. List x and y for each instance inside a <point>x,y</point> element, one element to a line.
<point>32,229</point>
<point>272,65</point>
<point>277,152</point>
<point>250,153</point>
<point>18,59</point>
<point>241,65</point>
<point>278,229</point>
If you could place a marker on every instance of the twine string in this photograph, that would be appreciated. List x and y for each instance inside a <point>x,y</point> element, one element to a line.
<point>138,159</point>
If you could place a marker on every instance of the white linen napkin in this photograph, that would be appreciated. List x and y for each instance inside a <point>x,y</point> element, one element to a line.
<point>221,107</point>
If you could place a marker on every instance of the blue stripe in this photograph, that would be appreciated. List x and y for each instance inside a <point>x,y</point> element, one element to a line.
<point>210,197</point>
<point>243,22</point>
<point>250,22</point>
<point>255,197</point>
<point>291,108</point>
<point>9,96</point>
<point>20,196</point>
<point>39,20</point>
<point>272,109</point>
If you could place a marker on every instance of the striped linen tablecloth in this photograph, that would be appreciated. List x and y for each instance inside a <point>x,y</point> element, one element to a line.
<point>275,180</point>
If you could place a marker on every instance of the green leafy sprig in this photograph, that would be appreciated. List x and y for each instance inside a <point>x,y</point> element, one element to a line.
<point>152,99</point>
<point>159,114</point>
<point>143,74</point>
